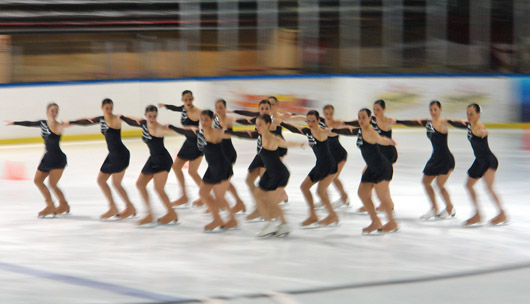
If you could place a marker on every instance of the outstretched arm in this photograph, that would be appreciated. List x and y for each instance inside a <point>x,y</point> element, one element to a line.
<point>353,123</point>
<point>171,107</point>
<point>86,121</point>
<point>246,113</point>
<point>246,122</point>
<point>346,131</point>
<point>413,122</point>
<point>459,124</point>
<point>182,131</point>
<point>132,121</point>
<point>292,128</point>
<point>243,134</point>
<point>24,123</point>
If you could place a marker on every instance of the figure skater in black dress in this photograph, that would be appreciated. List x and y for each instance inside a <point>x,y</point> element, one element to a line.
<point>189,150</point>
<point>271,187</point>
<point>157,166</point>
<point>337,150</point>
<point>323,172</point>
<point>222,121</point>
<point>485,164</point>
<point>377,173</point>
<point>256,167</point>
<point>116,162</point>
<point>383,126</point>
<point>53,162</point>
<point>219,171</point>
<point>440,165</point>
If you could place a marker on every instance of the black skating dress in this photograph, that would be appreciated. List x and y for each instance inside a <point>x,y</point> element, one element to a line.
<point>337,150</point>
<point>389,152</point>
<point>378,167</point>
<point>441,161</point>
<point>54,157</point>
<point>228,147</point>
<point>276,174</point>
<point>219,166</point>
<point>159,159</point>
<point>484,158</point>
<point>189,149</point>
<point>119,156</point>
<point>325,163</point>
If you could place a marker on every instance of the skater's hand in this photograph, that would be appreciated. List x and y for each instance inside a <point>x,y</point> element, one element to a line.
<point>9,122</point>
<point>161,105</point>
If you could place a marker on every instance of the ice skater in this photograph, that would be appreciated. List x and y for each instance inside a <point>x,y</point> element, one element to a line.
<point>53,162</point>
<point>485,164</point>
<point>189,152</point>
<point>116,161</point>
<point>440,165</point>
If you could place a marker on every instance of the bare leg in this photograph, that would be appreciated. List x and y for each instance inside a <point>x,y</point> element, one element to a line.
<point>365,194</point>
<point>322,190</point>
<point>469,185</point>
<point>383,193</point>
<point>177,168</point>
<point>141,184</point>
<point>338,183</point>
<point>102,182</point>
<point>250,180</point>
<point>440,182</point>
<point>219,191</point>
<point>204,192</point>
<point>160,179</point>
<point>306,191</point>
<point>129,207</point>
<point>39,178</point>
<point>427,181</point>
<point>489,178</point>
<point>239,206</point>
<point>193,171</point>
<point>54,177</point>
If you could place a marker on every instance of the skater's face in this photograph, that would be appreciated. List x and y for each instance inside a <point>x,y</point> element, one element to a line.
<point>220,108</point>
<point>262,126</point>
<point>435,110</point>
<point>187,99</point>
<point>107,108</point>
<point>472,115</point>
<point>264,109</point>
<point>378,110</point>
<point>151,116</point>
<point>312,121</point>
<point>328,113</point>
<point>274,104</point>
<point>206,121</point>
<point>52,112</point>
<point>364,119</point>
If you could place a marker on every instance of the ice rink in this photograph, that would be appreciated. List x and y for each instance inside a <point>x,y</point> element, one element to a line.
<point>78,258</point>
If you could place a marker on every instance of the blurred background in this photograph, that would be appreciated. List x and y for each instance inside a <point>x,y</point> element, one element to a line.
<point>62,40</point>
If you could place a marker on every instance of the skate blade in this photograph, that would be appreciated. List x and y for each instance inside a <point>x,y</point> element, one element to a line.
<point>282,235</point>
<point>332,225</point>
<point>256,220</point>
<point>505,223</point>
<point>47,216</point>
<point>315,225</point>
<point>147,226</point>
<point>266,236</point>
<point>215,230</point>
<point>377,232</point>
<point>172,223</point>
<point>475,225</point>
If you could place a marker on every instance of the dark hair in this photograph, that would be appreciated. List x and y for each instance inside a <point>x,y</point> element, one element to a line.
<point>475,106</point>
<point>222,101</point>
<point>266,118</point>
<point>265,101</point>
<point>314,113</point>
<point>381,103</point>
<point>208,113</point>
<point>273,97</point>
<point>106,101</point>
<point>436,102</point>
<point>368,112</point>
<point>328,106</point>
<point>151,108</point>
<point>187,92</point>
<point>51,104</point>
